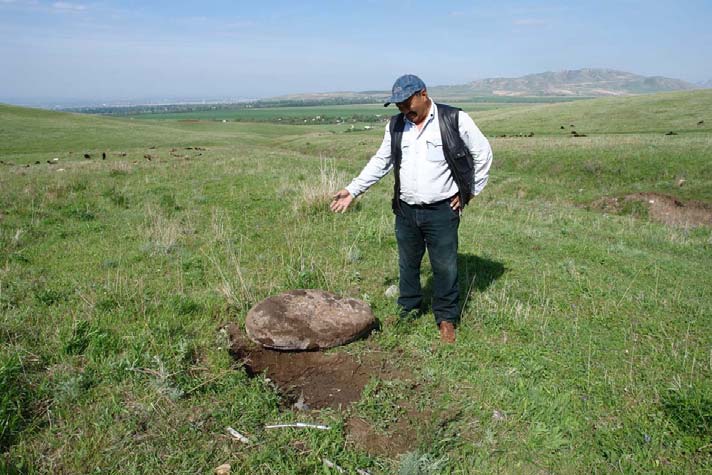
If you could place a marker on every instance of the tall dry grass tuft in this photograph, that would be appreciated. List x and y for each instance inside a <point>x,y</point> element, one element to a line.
<point>314,195</point>
<point>232,285</point>
<point>11,239</point>
<point>162,232</point>
<point>220,226</point>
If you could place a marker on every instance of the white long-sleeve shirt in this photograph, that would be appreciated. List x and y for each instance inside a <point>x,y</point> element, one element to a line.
<point>424,174</point>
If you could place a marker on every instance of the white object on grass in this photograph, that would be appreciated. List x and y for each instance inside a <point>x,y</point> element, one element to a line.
<point>331,464</point>
<point>237,435</point>
<point>303,425</point>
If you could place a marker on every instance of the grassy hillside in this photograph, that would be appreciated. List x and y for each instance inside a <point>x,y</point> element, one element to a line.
<point>29,135</point>
<point>655,113</point>
<point>585,337</point>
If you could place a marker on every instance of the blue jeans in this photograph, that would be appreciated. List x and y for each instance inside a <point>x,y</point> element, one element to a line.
<point>432,227</point>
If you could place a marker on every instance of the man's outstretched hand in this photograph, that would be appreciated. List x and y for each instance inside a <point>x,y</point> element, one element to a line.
<point>342,200</point>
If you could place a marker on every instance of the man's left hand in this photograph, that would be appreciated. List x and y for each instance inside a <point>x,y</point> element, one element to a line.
<point>455,203</point>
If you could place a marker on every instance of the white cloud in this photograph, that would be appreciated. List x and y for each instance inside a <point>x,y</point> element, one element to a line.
<point>66,6</point>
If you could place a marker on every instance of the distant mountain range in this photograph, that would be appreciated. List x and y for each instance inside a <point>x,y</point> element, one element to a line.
<point>575,83</point>
<point>580,82</point>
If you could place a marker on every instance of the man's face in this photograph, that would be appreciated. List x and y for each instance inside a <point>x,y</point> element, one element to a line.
<point>416,107</point>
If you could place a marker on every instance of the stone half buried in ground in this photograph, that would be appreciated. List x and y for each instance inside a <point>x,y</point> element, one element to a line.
<point>308,320</point>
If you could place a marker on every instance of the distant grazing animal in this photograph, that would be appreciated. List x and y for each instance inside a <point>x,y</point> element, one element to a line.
<point>531,134</point>
<point>702,122</point>
<point>562,127</point>
<point>671,133</point>
<point>103,155</point>
<point>86,155</point>
<point>572,125</point>
<point>147,157</point>
<point>573,132</point>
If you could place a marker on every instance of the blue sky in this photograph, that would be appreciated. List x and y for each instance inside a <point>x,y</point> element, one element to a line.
<point>111,50</point>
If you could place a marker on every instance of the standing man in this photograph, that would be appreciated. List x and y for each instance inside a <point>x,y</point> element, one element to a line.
<point>441,160</point>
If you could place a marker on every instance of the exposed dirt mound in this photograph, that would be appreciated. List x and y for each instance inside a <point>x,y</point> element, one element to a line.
<point>316,380</point>
<point>400,438</point>
<point>661,208</point>
<point>313,379</point>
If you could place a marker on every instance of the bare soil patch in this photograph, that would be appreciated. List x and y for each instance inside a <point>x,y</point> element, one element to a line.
<point>312,380</point>
<point>318,379</point>
<point>661,208</point>
<point>399,439</point>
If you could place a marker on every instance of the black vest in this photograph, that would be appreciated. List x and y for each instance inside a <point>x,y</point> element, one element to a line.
<point>457,155</point>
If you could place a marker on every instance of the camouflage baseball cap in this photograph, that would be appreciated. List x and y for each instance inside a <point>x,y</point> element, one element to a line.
<point>404,87</point>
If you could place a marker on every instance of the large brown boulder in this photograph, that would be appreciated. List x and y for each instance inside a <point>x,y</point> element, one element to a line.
<point>308,320</point>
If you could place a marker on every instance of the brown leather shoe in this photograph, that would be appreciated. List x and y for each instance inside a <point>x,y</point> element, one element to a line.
<point>447,332</point>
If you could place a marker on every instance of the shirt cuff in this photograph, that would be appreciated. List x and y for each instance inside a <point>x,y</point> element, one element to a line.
<point>352,190</point>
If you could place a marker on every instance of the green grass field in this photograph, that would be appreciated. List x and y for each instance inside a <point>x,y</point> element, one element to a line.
<point>586,338</point>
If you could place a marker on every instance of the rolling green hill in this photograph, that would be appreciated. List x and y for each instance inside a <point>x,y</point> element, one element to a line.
<point>27,131</point>
<point>654,113</point>
<point>585,336</point>
<point>28,135</point>
<point>620,132</point>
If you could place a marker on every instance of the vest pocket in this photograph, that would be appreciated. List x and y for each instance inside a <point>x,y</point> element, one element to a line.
<point>463,161</point>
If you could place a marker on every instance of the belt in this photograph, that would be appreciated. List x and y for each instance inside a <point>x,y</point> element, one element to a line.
<point>426,205</point>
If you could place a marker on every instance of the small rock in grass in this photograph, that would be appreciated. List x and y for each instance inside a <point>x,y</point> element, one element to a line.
<point>223,469</point>
<point>391,291</point>
<point>300,405</point>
